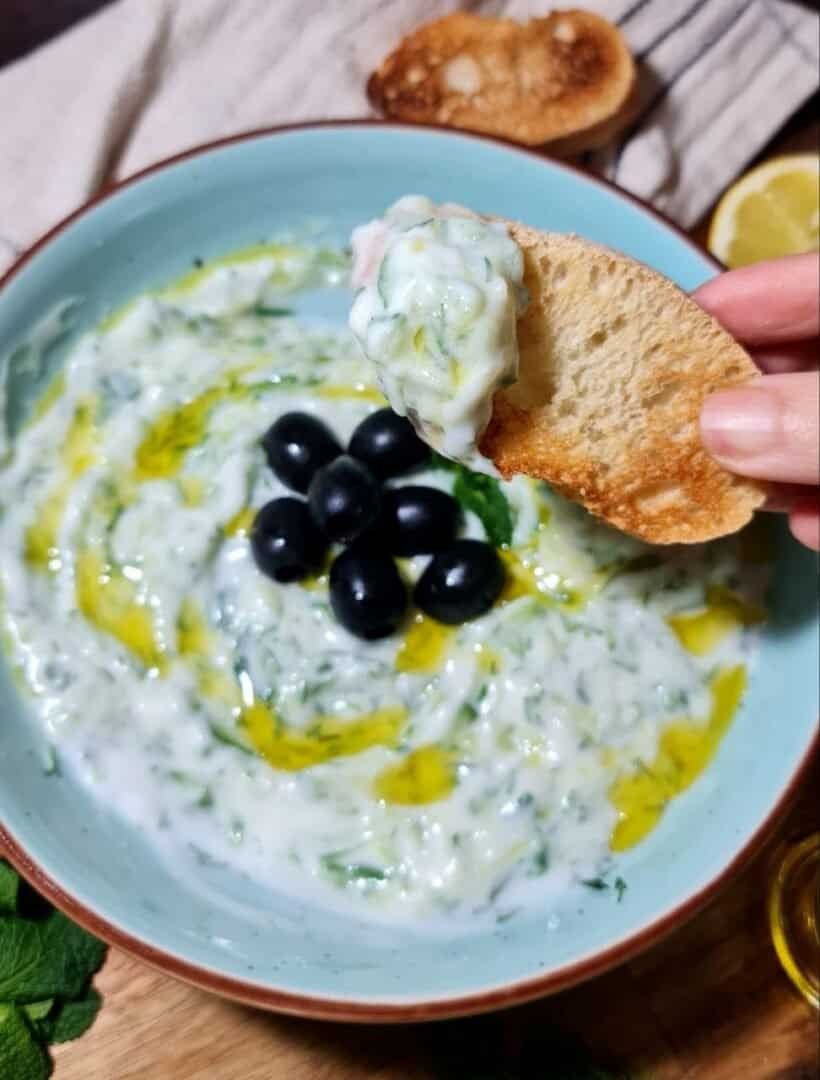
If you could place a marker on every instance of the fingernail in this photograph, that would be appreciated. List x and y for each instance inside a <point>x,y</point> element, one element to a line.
<point>740,424</point>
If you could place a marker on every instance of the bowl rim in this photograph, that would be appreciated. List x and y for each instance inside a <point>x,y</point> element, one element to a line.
<point>317,1006</point>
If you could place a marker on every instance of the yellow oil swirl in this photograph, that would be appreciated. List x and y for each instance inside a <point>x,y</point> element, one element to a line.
<point>194,637</point>
<point>426,775</point>
<point>424,646</point>
<point>488,660</point>
<point>525,579</point>
<point>196,644</point>
<point>701,631</point>
<point>190,281</point>
<point>240,524</point>
<point>192,489</point>
<point>174,432</point>
<point>109,601</point>
<point>327,737</point>
<point>79,453</point>
<point>684,751</point>
<point>168,438</point>
<point>290,750</point>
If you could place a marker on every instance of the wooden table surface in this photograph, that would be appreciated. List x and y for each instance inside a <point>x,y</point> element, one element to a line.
<point>708,1003</point>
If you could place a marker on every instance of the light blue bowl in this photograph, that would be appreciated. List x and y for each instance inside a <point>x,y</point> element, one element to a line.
<point>266,950</point>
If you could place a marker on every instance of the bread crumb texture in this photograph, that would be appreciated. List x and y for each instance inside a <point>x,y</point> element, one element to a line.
<point>616,361</point>
<point>566,76</point>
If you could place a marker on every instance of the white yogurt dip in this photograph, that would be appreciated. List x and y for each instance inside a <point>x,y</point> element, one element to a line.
<point>439,774</point>
<point>440,290</point>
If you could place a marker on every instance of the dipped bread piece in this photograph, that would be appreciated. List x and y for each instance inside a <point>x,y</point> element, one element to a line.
<point>615,362</point>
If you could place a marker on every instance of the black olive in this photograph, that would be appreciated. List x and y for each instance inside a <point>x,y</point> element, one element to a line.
<point>367,593</point>
<point>285,541</point>
<point>344,499</point>
<point>460,583</point>
<point>387,444</point>
<point>419,520</point>
<point>298,444</point>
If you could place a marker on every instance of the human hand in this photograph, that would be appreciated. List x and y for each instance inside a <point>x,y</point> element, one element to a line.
<point>770,428</point>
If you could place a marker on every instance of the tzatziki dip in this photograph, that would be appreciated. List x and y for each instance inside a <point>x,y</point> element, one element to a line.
<point>443,772</point>
<point>439,292</point>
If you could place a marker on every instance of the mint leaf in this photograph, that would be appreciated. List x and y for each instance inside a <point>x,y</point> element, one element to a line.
<point>71,1019</point>
<point>43,958</point>
<point>38,1010</point>
<point>21,1057</point>
<point>483,495</point>
<point>9,888</point>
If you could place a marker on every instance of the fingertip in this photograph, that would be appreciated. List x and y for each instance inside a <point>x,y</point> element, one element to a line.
<point>768,302</point>
<point>804,522</point>
<point>739,424</point>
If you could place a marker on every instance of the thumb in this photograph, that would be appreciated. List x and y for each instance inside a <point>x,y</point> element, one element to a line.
<point>768,429</point>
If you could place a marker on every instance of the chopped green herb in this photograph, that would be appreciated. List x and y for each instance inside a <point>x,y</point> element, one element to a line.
<point>51,765</point>
<point>228,738</point>
<point>620,888</point>
<point>540,862</point>
<point>344,873</point>
<point>271,312</point>
<point>467,713</point>
<point>596,883</point>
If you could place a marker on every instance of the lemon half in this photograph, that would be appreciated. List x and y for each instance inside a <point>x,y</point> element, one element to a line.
<point>772,210</point>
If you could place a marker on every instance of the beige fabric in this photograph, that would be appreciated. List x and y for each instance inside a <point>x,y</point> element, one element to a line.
<point>146,78</point>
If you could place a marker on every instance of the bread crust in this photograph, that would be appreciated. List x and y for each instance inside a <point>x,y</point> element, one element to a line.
<point>616,362</point>
<point>566,76</point>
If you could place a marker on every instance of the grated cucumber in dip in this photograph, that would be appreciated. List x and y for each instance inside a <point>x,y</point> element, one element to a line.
<point>440,290</point>
<point>442,774</point>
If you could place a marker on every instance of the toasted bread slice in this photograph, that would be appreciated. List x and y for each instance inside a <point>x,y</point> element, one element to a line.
<point>615,364</point>
<point>565,75</point>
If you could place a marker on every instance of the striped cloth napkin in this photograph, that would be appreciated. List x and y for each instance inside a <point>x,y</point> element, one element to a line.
<point>146,78</point>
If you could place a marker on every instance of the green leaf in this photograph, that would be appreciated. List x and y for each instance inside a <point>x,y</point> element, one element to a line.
<point>38,1010</point>
<point>483,495</point>
<point>9,889</point>
<point>43,958</point>
<point>21,1056</point>
<point>71,1019</point>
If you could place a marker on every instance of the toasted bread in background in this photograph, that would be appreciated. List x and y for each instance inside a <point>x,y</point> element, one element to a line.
<point>615,364</point>
<point>568,76</point>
